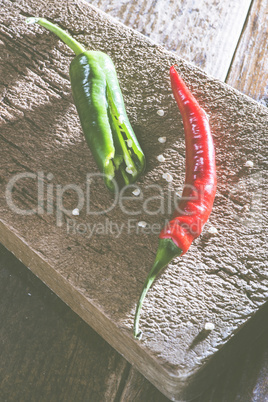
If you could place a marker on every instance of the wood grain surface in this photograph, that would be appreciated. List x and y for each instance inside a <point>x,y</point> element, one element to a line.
<point>249,69</point>
<point>132,386</point>
<point>203,32</point>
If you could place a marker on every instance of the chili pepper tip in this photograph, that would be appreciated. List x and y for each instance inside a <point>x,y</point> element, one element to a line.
<point>166,251</point>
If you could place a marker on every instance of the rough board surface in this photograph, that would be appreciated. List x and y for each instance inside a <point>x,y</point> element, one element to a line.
<point>95,269</point>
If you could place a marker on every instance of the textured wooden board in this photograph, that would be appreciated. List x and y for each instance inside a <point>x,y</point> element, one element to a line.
<point>222,277</point>
<point>203,32</point>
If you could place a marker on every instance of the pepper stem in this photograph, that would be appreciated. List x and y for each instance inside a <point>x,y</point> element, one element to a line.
<point>64,36</point>
<point>166,251</point>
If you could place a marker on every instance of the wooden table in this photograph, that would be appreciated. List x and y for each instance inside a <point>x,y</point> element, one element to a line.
<point>49,353</point>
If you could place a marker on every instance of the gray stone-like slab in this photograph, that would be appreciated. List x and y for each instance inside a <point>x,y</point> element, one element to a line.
<point>223,277</point>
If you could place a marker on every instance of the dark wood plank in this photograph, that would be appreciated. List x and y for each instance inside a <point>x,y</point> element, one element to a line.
<point>249,68</point>
<point>47,352</point>
<point>203,32</point>
<point>213,36</point>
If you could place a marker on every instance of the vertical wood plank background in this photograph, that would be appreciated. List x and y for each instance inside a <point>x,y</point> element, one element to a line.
<point>204,32</point>
<point>249,68</point>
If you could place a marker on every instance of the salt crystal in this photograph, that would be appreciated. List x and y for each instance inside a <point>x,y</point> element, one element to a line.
<point>249,164</point>
<point>167,177</point>
<point>121,119</point>
<point>212,230</point>
<point>160,158</point>
<point>136,192</point>
<point>31,20</point>
<point>75,212</point>
<point>129,170</point>
<point>129,143</point>
<point>162,140</point>
<point>209,326</point>
<point>142,224</point>
<point>160,112</point>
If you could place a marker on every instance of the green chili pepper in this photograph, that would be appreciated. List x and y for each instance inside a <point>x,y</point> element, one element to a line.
<point>99,102</point>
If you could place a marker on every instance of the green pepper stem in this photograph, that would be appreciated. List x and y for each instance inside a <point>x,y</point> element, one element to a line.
<point>64,36</point>
<point>166,251</point>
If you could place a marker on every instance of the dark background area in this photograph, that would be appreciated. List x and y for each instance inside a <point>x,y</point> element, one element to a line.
<point>49,354</point>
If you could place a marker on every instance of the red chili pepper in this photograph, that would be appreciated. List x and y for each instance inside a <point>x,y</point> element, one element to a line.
<point>199,189</point>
